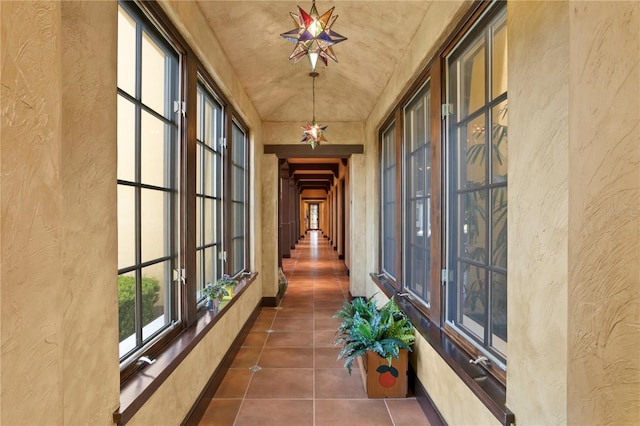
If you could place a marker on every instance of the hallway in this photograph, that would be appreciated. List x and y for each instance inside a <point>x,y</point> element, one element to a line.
<point>286,372</point>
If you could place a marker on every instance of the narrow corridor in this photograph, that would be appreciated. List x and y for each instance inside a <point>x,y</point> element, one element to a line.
<point>286,372</point>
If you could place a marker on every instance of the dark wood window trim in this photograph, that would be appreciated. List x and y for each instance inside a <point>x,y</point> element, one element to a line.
<point>140,387</point>
<point>489,390</point>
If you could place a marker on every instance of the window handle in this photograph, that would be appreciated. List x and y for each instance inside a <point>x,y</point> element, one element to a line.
<point>146,359</point>
<point>481,360</point>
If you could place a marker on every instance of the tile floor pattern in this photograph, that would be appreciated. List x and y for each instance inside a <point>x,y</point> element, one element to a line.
<point>286,372</point>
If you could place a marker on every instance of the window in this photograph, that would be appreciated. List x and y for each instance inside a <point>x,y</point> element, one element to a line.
<point>182,188</point>
<point>209,254</point>
<point>239,191</point>
<point>453,190</point>
<point>417,196</point>
<point>476,235</point>
<point>148,86</point>
<point>388,198</point>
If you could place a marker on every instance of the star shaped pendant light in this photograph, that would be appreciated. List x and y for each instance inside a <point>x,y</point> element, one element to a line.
<point>313,133</point>
<point>313,36</point>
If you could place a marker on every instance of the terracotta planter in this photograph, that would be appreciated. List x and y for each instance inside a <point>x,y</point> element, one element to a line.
<point>382,380</point>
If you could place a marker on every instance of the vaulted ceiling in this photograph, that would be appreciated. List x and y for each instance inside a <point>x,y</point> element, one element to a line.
<point>378,33</point>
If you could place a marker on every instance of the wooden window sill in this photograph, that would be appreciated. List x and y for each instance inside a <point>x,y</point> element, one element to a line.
<point>138,389</point>
<point>487,388</point>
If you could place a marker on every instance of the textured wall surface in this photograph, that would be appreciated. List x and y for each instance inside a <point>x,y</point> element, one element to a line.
<point>357,271</point>
<point>538,211</point>
<point>59,309</point>
<point>269,248</point>
<point>89,244</point>
<point>604,214</point>
<point>31,214</point>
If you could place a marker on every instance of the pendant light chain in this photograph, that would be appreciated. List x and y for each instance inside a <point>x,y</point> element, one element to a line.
<point>313,97</point>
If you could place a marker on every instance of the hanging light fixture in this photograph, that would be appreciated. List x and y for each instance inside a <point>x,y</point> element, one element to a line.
<point>313,36</point>
<point>313,133</point>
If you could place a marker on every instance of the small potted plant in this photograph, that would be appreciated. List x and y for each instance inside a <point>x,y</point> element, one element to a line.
<point>229,283</point>
<point>215,293</point>
<point>380,338</point>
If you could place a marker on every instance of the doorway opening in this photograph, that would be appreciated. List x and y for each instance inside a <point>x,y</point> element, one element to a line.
<point>314,215</point>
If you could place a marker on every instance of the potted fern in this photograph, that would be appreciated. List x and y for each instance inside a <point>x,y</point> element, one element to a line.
<point>380,339</point>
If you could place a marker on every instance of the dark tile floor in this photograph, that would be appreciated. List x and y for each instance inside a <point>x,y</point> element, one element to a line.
<point>286,372</point>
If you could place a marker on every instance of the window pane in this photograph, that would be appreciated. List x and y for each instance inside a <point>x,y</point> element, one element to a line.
<point>126,140</point>
<point>210,272</point>
<point>209,221</point>
<point>199,224</point>
<point>155,224</point>
<point>474,299</point>
<point>127,312</point>
<point>154,151</point>
<point>156,281</point>
<point>237,246</point>
<point>499,312</point>
<point>199,102</point>
<point>472,225</point>
<point>199,168</point>
<point>217,172</point>
<point>199,274</point>
<point>238,151</point>
<point>208,173</point>
<point>473,154</point>
<point>499,143</point>
<point>238,184</point>
<point>153,75</point>
<point>238,220</point>
<point>499,58</point>
<point>472,79</point>
<point>499,227</point>
<point>126,226</point>
<point>126,52</point>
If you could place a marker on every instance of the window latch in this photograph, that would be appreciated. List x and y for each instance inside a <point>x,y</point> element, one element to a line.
<point>179,275</point>
<point>180,107</point>
<point>445,276</point>
<point>447,110</point>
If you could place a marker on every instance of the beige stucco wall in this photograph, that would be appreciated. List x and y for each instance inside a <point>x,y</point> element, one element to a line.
<point>269,216</point>
<point>574,323</point>
<point>58,232</point>
<point>90,306</point>
<point>31,233</point>
<point>538,183</point>
<point>604,214</point>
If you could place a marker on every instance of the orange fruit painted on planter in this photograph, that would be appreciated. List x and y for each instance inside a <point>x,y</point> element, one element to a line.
<point>387,376</point>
